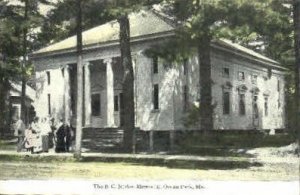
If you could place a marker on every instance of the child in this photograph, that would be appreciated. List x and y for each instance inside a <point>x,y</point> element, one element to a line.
<point>29,139</point>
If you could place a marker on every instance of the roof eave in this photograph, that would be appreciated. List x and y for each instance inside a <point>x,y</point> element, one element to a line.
<point>271,64</point>
<point>104,44</point>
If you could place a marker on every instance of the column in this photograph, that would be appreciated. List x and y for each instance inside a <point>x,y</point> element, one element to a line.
<point>110,93</point>
<point>151,140</point>
<point>87,94</point>
<point>67,96</point>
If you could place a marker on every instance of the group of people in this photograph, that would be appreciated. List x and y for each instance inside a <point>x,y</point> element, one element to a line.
<point>43,134</point>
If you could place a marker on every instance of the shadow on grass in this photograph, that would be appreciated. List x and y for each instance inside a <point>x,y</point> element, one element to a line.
<point>205,164</point>
<point>179,164</point>
<point>36,158</point>
<point>8,144</point>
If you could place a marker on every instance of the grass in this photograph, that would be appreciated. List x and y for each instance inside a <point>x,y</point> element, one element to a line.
<point>225,141</point>
<point>8,144</point>
<point>65,167</point>
<point>100,170</point>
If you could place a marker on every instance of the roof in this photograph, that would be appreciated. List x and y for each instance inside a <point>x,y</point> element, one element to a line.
<point>149,21</point>
<point>142,23</point>
<point>250,52</point>
<point>16,90</point>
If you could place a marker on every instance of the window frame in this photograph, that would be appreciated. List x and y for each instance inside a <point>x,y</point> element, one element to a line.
<point>266,106</point>
<point>242,104</point>
<point>224,74</point>
<point>48,77</point>
<point>254,79</point>
<point>185,90</point>
<point>185,66</point>
<point>226,104</point>
<point>155,65</point>
<point>155,97</point>
<point>116,103</point>
<point>49,103</point>
<point>241,77</point>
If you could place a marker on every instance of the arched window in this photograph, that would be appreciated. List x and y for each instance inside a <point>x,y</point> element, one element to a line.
<point>242,106</point>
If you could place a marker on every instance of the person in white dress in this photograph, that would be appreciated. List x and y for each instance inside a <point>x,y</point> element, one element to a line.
<point>45,130</point>
<point>20,133</point>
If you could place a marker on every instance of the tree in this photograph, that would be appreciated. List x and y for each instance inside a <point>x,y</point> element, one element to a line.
<point>121,9</point>
<point>8,60</point>
<point>244,22</point>
<point>296,15</point>
<point>26,19</point>
<point>128,83</point>
<point>60,22</point>
<point>79,82</point>
<point>24,64</point>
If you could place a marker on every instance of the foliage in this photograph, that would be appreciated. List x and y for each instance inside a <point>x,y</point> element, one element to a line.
<point>60,22</point>
<point>264,26</point>
<point>15,29</point>
<point>192,118</point>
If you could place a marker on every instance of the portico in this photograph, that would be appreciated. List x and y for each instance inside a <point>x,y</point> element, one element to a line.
<point>101,93</point>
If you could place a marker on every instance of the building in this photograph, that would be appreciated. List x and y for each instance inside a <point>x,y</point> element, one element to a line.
<point>247,90</point>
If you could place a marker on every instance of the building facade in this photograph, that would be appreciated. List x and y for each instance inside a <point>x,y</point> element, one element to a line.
<point>247,90</point>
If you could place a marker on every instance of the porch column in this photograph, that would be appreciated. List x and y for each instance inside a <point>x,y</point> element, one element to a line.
<point>67,96</point>
<point>87,94</point>
<point>110,93</point>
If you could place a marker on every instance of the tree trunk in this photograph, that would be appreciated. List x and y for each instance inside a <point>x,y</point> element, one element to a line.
<point>23,91</point>
<point>296,12</point>
<point>128,84</point>
<point>77,153</point>
<point>3,95</point>
<point>4,106</point>
<point>206,109</point>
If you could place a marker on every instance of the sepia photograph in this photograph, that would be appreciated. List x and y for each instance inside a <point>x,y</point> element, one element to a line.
<point>150,97</point>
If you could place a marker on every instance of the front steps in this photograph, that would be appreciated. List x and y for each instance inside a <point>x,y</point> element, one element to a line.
<point>107,139</point>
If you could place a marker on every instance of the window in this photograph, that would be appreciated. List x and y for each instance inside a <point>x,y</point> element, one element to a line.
<point>269,73</point>
<point>241,76</point>
<point>226,102</point>
<point>155,64</point>
<point>49,104</point>
<point>226,72</point>
<point>266,105</point>
<point>15,112</point>
<point>155,97</point>
<point>63,72</point>
<point>96,104</point>
<point>48,77</point>
<point>254,79</point>
<point>116,103</point>
<point>185,66</point>
<point>255,107</point>
<point>242,107</point>
<point>278,85</point>
<point>185,98</point>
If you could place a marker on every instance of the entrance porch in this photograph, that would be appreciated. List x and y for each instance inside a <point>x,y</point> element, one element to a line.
<point>102,93</point>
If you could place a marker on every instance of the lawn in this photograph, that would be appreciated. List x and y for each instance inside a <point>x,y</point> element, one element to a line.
<point>274,163</point>
<point>67,168</point>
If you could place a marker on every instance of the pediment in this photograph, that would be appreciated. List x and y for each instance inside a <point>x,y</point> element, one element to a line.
<point>227,85</point>
<point>255,90</point>
<point>242,88</point>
